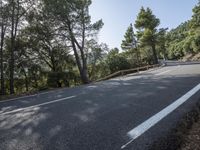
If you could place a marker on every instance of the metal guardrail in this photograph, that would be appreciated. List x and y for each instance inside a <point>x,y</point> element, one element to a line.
<point>128,71</point>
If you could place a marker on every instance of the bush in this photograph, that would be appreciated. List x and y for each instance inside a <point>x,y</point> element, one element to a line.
<point>118,63</point>
<point>57,79</point>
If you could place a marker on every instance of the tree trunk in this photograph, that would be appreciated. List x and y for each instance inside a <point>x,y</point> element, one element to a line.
<point>155,60</point>
<point>14,28</point>
<point>164,53</point>
<point>3,29</point>
<point>11,64</point>
<point>81,66</point>
<point>1,59</point>
<point>84,76</point>
<point>138,59</point>
<point>26,81</point>
<point>12,73</point>
<point>35,80</point>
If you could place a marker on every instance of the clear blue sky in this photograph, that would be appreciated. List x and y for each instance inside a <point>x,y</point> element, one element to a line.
<point>118,14</point>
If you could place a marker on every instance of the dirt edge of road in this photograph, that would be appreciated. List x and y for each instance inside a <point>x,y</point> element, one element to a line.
<point>185,136</point>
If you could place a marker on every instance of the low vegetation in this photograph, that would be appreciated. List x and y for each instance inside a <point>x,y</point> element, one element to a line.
<point>49,44</point>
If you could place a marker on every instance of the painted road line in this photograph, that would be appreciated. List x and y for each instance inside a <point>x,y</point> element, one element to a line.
<point>27,96</point>
<point>164,72</point>
<point>38,105</point>
<point>22,97</point>
<point>142,128</point>
<point>170,70</point>
<point>140,75</point>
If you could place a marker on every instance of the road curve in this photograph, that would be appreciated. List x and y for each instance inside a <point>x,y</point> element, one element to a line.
<point>102,115</point>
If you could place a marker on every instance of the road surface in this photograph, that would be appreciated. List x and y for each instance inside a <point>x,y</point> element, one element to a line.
<point>129,112</point>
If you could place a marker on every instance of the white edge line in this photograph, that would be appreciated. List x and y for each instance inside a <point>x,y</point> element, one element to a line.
<point>42,104</point>
<point>161,73</point>
<point>22,97</point>
<point>170,70</point>
<point>12,99</point>
<point>146,125</point>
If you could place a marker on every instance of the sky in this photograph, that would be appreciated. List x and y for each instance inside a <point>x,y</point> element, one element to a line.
<point>117,15</point>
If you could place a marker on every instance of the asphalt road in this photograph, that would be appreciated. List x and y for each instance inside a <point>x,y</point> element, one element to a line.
<point>99,116</point>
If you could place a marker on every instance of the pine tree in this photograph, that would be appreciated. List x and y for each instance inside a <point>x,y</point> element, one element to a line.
<point>146,24</point>
<point>76,27</point>
<point>130,42</point>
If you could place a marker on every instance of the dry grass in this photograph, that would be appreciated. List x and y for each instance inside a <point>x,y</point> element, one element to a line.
<point>191,57</point>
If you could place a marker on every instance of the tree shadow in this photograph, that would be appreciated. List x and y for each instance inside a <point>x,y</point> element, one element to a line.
<point>98,118</point>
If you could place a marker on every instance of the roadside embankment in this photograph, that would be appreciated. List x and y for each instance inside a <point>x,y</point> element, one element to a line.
<point>185,136</point>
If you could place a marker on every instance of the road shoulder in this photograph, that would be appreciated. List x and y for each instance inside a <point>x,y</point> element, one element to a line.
<point>185,136</point>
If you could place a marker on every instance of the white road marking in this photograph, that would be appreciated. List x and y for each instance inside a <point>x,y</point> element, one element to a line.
<point>164,72</point>
<point>27,96</point>
<point>12,99</point>
<point>42,93</point>
<point>170,70</point>
<point>38,105</point>
<point>146,125</point>
<point>139,75</point>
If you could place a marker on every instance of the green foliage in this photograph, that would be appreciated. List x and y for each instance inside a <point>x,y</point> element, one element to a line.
<point>161,43</point>
<point>57,79</point>
<point>185,38</point>
<point>49,44</point>
<point>130,47</point>
<point>129,39</point>
<point>195,21</point>
<point>195,43</point>
<point>74,22</point>
<point>116,61</point>
<point>96,61</point>
<point>146,20</point>
<point>146,24</point>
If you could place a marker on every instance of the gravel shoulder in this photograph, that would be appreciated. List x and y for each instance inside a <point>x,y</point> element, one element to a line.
<point>191,141</point>
<point>185,136</point>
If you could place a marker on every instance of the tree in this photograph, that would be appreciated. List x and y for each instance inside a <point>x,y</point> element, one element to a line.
<point>50,48</point>
<point>130,43</point>
<point>17,12</point>
<point>146,24</point>
<point>3,29</point>
<point>184,40</point>
<point>162,38</point>
<point>195,21</point>
<point>96,53</point>
<point>75,25</point>
<point>116,61</point>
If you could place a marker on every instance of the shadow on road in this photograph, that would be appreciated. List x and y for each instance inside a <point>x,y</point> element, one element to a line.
<point>97,119</point>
